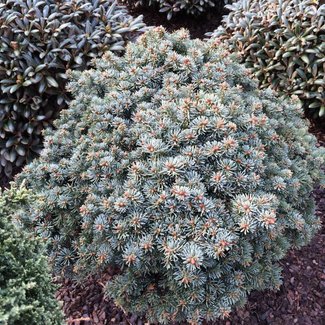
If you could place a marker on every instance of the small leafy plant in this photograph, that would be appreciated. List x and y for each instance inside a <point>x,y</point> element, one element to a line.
<point>171,165</point>
<point>39,42</point>
<point>283,42</point>
<point>26,291</point>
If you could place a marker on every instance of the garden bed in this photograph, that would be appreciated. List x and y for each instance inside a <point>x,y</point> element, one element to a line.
<point>300,300</point>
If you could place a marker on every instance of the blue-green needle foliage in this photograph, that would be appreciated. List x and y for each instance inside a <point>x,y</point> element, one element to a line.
<point>172,165</point>
<point>26,291</point>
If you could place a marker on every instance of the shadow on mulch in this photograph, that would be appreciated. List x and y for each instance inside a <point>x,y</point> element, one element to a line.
<point>5,180</point>
<point>301,299</point>
<point>197,26</point>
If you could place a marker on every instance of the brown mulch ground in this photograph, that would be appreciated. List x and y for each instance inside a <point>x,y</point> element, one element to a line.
<point>197,26</point>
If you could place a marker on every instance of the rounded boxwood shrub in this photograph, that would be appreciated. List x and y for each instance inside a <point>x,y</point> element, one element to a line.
<point>171,165</point>
<point>26,291</point>
<point>171,7</point>
<point>283,42</point>
<point>39,41</point>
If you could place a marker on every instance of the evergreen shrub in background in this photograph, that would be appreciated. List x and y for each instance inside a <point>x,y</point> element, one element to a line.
<point>26,291</point>
<point>39,41</point>
<point>173,166</point>
<point>283,42</point>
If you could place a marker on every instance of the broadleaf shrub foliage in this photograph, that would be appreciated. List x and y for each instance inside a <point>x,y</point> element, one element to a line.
<point>283,42</point>
<point>40,41</point>
<point>173,166</point>
<point>26,291</point>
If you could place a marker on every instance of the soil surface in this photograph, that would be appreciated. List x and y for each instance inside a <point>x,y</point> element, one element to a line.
<point>197,26</point>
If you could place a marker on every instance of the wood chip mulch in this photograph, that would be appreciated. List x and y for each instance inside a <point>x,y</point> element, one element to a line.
<point>197,26</point>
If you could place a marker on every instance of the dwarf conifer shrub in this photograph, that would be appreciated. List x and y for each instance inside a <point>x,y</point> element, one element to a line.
<point>173,166</point>
<point>171,7</point>
<point>26,292</point>
<point>283,42</point>
<point>39,41</point>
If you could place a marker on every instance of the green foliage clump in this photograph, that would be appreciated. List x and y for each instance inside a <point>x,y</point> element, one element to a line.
<point>173,166</point>
<point>26,291</point>
<point>283,42</point>
<point>190,7</point>
<point>39,41</point>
